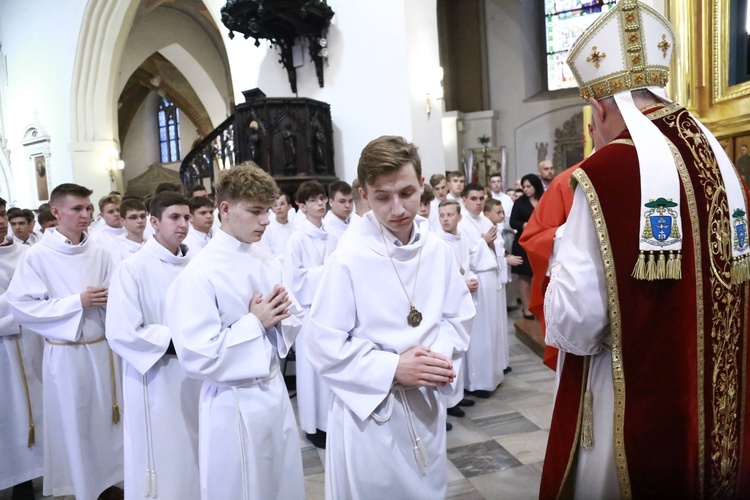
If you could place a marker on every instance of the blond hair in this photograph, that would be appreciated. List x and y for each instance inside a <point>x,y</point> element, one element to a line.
<point>246,181</point>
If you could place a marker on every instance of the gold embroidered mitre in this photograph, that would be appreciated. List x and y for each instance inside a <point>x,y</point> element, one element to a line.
<point>629,47</point>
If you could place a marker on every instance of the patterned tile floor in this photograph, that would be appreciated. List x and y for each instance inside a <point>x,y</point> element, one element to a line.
<point>496,450</point>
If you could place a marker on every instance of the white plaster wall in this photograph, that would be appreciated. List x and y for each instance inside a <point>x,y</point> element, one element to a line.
<point>39,38</point>
<point>181,40</point>
<point>141,147</point>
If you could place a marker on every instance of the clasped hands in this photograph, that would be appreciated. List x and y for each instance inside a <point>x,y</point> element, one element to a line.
<point>272,308</point>
<point>419,366</point>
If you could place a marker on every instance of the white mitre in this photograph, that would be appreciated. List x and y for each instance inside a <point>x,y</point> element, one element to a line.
<point>629,48</point>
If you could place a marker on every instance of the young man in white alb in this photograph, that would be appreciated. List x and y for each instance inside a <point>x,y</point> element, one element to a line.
<point>449,213</point>
<point>160,401</point>
<point>230,320</point>
<point>483,371</point>
<point>45,220</point>
<point>22,224</point>
<point>306,252</point>
<point>336,221</point>
<point>110,230</point>
<point>59,291</point>
<point>133,215</point>
<point>280,229</point>
<point>21,459</point>
<point>493,210</point>
<point>201,224</point>
<point>439,185</point>
<point>388,329</point>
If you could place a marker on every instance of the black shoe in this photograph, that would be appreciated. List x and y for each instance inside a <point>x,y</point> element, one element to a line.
<point>448,426</point>
<point>480,394</point>
<point>455,411</point>
<point>507,370</point>
<point>466,402</point>
<point>318,439</point>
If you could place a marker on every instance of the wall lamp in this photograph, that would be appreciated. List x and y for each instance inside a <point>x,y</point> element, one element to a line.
<point>435,93</point>
<point>113,165</point>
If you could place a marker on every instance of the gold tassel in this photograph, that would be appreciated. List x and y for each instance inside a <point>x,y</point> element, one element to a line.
<point>32,436</point>
<point>115,414</point>
<point>650,267</point>
<point>639,272</point>
<point>587,426</point>
<point>678,266</point>
<point>661,267</point>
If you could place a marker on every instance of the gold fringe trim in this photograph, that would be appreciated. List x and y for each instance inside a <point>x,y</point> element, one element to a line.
<point>740,269</point>
<point>587,426</point>
<point>32,435</point>
<point>115,408</point>
<point>665,266</point>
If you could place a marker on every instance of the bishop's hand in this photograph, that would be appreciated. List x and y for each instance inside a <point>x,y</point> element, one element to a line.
<point>421,367</point>
<point>272,308</point>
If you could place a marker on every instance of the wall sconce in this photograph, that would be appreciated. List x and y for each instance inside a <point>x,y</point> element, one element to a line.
<point>435,93</point>
<point>113,165</point>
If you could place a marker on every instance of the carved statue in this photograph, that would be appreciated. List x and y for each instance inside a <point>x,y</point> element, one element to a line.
<point>320,152</point>
<point>541,151</point>
<point>290,151</point>
<point>253,138</point>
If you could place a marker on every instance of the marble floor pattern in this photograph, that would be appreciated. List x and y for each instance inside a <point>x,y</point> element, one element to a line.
<point>495,451</point>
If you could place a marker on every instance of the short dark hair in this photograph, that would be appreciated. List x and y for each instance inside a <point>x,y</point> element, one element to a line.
<point>68,189</point>
<point>44,207</point>
<point>385,155</point>
<point>339,187</point>
<point>535,181</point>
<point>197,187</point>
<point>199,202</point>
<point>496,174</point>
<point>455,173</point>
<point>308,190</point>
<point>164,200</point>
<point>131,204</point>
<point>472,186</point>
<point>286,197</point>
<point>21,212</point>
<point>167,186</point>
<point>3,202</point>
<point>427,195</point>
<point>44,217</point>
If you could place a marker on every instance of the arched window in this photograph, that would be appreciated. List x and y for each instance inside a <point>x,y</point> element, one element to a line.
<point>564,20</point>
<point>169,131</point>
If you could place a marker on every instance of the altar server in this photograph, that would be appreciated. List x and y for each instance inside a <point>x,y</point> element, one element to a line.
<point>389,325</point>
<point>160,400</point>
<point>230,321</point>
<point>59,291</point>
<point>21,387</point>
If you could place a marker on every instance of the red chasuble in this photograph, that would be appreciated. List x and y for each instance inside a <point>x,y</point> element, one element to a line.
<point>679,347</point>
<point>537,239</point>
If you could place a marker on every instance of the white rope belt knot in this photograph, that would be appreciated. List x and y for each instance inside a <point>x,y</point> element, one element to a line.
<point>420,452</point>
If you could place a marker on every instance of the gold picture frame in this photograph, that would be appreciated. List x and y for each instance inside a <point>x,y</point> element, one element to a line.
<point>722,91</point>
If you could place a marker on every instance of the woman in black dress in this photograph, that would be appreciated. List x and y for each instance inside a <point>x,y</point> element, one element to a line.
<point>519,217</point>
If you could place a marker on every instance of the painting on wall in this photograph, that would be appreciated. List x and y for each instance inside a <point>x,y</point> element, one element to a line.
<point>741,156</point>
<point>40,169</point>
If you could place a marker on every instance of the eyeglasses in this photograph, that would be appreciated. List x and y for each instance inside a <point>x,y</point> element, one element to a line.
<point>137,217</point>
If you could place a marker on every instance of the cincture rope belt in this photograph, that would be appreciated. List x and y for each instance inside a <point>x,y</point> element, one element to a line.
<point>32,434</point>
<point>241,424</point>
<point>115,407</point>
<point>420,453</point>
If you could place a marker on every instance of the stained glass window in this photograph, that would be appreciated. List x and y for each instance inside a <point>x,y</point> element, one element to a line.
<point>564,20</point>
<point>169,131</point>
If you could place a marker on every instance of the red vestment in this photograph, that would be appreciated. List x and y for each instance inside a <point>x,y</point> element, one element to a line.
<point>679,347</point>
<point>537,239</point>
